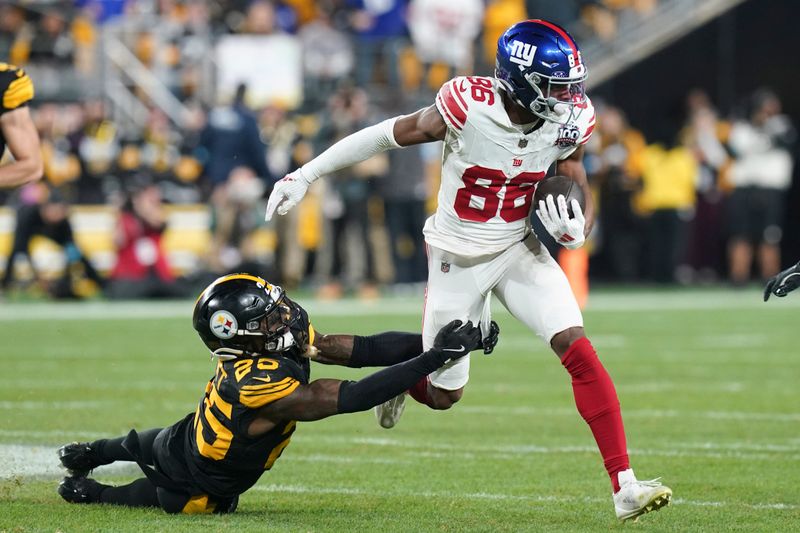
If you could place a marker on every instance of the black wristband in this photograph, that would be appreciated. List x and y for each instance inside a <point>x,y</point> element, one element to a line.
<point>387,383</point>
<point>384,349</point>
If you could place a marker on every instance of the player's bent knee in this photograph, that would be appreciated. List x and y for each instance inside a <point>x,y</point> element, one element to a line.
<point>171,502</point>
<point>562,340</point>
<point>174,502</point>
<point>444,399</point>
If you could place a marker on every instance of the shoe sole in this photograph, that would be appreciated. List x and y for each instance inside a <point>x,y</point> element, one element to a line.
<point>387,418</point>
<point>658,502</point>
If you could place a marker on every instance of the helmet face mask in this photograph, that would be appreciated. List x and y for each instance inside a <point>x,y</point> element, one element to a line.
<point>277,326</point>
<point>244,316</point>
<point>541,69</point>
<point>557,100</point>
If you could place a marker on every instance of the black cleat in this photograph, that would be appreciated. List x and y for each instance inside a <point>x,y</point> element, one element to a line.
<point>78,458</point>
<point>80,490</point>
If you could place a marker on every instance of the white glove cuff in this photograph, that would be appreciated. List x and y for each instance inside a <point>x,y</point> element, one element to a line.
<point>353,149</point>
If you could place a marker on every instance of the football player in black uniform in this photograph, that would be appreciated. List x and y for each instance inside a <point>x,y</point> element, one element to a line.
<point>17,130</point>
<point>784,283</point>
<point>260,390</point>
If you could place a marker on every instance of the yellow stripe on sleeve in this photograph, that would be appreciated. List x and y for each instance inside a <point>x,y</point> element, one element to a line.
<point>259,391</point>
<point>259,398</point>
<point>268,385</point>
<point>18,92</point>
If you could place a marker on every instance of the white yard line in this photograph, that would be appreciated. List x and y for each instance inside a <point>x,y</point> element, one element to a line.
<point>635,301</point>
<point>303,489</point>
<point>8,383</point>
<point>733,340</point>
<point>53,434</point>
<point>441,450</point>
<point>638,413</point>
<point>23,460</point>
<point>59,405</point>
<point>735,450</point>
<point>40,460</point>
<point>39,405</point>
<point>19,460</point>
<point>172,384</point>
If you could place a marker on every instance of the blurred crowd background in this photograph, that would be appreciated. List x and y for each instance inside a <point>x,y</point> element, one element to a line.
<point>165,123</point>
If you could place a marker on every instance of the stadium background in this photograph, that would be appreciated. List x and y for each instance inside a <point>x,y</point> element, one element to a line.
<point>706,374</point>
<point>132,94</point>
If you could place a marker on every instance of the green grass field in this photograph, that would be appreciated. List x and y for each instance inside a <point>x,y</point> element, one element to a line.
<point>707,379</point>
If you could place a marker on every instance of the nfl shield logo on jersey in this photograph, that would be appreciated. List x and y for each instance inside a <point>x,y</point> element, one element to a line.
<point>445,267</point>
<point>567,136</point>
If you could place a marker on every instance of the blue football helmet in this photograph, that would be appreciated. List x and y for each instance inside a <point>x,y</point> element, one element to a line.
<point>541,68</point>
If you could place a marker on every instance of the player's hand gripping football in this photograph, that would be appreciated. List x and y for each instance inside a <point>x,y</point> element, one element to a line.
<point>456,340</point>
<point>489,341</point>
<point>566,230</point>
<point>287,193</point>
<point>784,283</point>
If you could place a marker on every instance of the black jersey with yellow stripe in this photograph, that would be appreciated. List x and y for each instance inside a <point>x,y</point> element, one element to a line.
<point>16,89</point>
<point>221,457</point>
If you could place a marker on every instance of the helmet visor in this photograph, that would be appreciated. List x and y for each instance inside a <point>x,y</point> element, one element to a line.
<point>563,90</point>
<point>573,92</point>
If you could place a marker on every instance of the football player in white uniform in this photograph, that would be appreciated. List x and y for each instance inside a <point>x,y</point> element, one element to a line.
<point>501,135</point>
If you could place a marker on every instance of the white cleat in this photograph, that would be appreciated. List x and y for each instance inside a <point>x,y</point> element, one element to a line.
<point>636,498</point>
<point>389,412</point>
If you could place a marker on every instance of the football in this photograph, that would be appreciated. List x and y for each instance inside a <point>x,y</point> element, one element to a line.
<point>556,185</point>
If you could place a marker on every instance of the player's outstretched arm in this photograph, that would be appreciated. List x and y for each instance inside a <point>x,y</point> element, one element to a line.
<point>573,168</point>
<point>326,397</point>
<point>425,125</point>
<point>23,143</point>
<point>784,283</point>
<point>382,349</point>
<point>356,351</point>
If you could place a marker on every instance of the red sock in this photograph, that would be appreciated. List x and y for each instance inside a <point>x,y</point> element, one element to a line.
<point>420,392</point>
<point>598,404</point>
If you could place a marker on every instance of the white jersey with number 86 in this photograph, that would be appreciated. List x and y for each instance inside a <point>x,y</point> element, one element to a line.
<point>490,167</point>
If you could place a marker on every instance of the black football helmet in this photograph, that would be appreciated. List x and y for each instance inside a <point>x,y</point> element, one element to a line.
<point>241,315</point>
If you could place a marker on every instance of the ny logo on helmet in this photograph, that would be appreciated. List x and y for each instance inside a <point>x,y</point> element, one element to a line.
<point>522,53</point>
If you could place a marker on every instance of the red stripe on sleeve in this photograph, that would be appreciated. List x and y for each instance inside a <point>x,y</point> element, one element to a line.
<point>447,114</point>
<point>452,105</point>
<point>587,134</point>
<point>458,95</point>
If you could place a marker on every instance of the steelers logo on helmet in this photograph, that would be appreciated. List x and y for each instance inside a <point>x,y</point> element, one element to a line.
<point>223,324</point>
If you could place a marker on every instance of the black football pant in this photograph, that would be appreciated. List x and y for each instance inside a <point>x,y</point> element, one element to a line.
<point>143,492</point>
